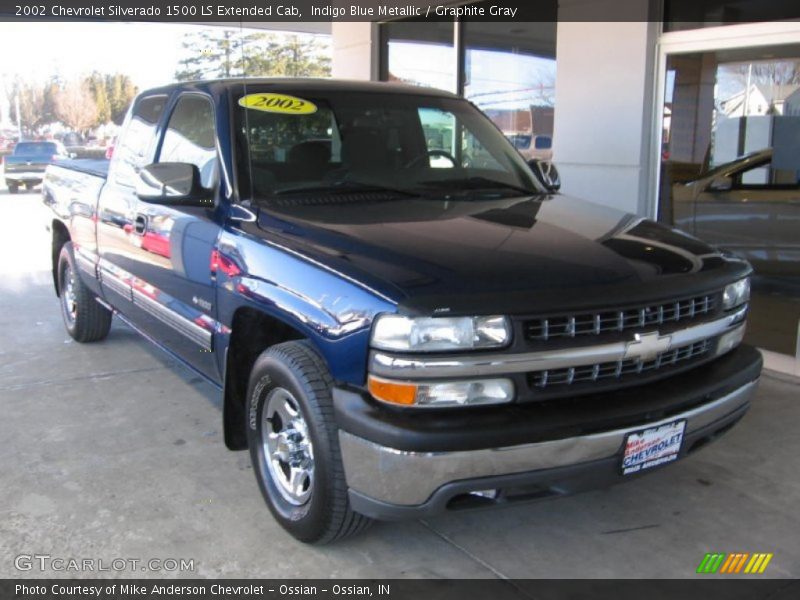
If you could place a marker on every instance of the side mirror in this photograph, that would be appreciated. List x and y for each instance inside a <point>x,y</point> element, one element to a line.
<point>172,183</point>
<point>546,173</point>
<point>721,184</point>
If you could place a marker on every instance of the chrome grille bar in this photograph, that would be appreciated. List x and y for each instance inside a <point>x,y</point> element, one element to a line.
<point>618,369</point>
<point>545,328</point>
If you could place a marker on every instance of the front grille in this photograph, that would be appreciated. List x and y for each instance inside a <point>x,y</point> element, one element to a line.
<point>617,370</point>
<point>620,320</point>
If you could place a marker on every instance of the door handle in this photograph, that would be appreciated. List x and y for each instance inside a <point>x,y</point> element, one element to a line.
<point>140,224</point>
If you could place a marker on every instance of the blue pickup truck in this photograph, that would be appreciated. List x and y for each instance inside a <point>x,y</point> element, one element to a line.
<point>26,165</point>
<point>403,316</point>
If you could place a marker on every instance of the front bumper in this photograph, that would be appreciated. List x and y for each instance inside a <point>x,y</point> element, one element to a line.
<point>24,177</point>
<point>400,466</point>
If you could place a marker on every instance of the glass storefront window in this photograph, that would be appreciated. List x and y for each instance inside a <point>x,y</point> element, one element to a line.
<point>419,54</point>
<point>510,74</point>
<point>506,69</point>
<point>731,171</point>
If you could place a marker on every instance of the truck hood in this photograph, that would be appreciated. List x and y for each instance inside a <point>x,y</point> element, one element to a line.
<point>503,255</point>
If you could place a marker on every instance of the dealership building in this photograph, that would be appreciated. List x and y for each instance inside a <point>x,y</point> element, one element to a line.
<point>632,112</point>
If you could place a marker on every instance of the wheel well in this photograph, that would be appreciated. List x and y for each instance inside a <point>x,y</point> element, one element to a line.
<point>60,237</point>
<point>252,333</point>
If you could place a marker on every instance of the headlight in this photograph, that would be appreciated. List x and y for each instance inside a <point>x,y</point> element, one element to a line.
<point>443,393</point>
<point>736,294</point>
<point>432,334</point>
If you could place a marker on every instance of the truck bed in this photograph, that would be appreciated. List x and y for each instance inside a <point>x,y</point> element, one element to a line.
<point>74,183</point>
<point>90,166</point>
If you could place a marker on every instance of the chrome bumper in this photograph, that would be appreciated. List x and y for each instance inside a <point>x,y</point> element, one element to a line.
<point>407,479</point>
<point>24,176</point>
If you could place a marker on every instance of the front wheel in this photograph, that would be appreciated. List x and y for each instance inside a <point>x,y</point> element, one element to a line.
<point>85,319</point>
<point>294,445</point>
<point>13,188</point>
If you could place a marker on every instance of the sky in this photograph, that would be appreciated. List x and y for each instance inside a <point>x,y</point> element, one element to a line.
<point>29,49</point>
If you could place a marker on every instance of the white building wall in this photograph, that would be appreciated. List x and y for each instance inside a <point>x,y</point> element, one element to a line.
<point>355,50</point>
<point>604,109</point>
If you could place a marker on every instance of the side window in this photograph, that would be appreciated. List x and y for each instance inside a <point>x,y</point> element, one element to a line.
<point>132,148</point>
<point>444,133</point>
<point>439,129</point>
<point>766,176</point>
<point>190,137</point>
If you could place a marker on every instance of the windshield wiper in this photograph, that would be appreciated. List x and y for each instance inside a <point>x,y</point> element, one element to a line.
<point>344,186</point>
<point>484,183</point>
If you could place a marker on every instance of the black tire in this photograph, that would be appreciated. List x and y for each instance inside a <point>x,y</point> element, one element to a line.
<point>13,188</point>
<point>325,516</point>
<point>86,319</point>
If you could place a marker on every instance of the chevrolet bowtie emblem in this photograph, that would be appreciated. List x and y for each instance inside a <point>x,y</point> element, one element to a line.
<point>646,346</point>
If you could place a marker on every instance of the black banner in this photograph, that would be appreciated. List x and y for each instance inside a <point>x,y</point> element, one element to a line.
<point>398,589</point>
<point>236,11</point>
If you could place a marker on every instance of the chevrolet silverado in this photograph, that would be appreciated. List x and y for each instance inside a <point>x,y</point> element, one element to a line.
<point>402,315</point>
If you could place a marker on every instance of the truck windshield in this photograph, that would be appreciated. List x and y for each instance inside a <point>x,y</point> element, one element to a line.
<point>35,148</point>
<point>293,143</point>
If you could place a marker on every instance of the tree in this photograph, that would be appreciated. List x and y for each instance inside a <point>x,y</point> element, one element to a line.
<point>31,100</point>
<point>269,55</point>
<point>76,107</point>
<point>51,91</point>
<point>225,53</point>
<point>97,85</point>
<point>771,72</point>
<point>120,92</point>
<point>209,54</point>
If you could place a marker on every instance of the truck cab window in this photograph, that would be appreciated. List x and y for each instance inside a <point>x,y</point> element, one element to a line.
<point>190,137</point>
<point>133,150</point>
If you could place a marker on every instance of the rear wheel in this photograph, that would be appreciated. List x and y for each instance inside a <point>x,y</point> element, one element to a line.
<point>85,319</point>
<point>13,188</point>
<point>294,445</point>
<point>30,186</point>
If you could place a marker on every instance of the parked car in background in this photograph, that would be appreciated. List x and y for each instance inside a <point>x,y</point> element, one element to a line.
<point>749,206</point>
<point>7,143</point>
<point>26,165</point>
<point>531,146</point>
<point>72,139</point>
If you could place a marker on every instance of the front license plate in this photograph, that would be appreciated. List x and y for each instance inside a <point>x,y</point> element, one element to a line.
<point>652,447</point>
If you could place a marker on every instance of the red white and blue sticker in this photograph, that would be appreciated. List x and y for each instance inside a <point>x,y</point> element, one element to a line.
<point>652,447</point>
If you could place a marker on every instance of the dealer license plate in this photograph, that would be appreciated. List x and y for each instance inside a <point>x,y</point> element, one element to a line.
<point>652,447</point>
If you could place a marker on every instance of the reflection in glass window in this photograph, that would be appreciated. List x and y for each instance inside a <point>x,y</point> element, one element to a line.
<point>510,74</point>
<point>731,171</point>
<point>419,54</point>
<point>132,151</point>
<point>448,140</point>
<point>190,137</point>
